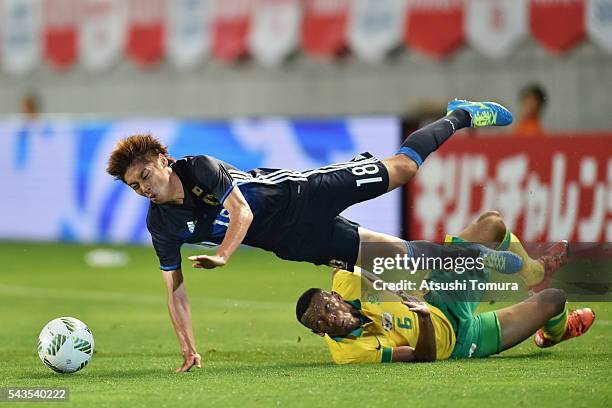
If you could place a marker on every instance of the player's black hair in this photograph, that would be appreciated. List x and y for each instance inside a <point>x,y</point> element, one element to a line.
<point>537,91</point>
<point>133,149</point>
<point>304,302</point>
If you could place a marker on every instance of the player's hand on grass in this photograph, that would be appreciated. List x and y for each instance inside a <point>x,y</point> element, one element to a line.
<point>420,308</point>
<point>191,359</point>
<point>207,261</point>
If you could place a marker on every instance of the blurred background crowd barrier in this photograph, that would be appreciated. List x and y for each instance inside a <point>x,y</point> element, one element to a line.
<point>95,33</point>
<point>228,58</point>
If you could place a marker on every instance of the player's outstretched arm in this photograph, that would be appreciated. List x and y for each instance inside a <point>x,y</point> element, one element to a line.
<point>180,314</point>
<point>240,220</point>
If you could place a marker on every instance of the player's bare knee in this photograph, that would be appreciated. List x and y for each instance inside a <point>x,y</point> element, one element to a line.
<point>409,167</point>
<point>401,168</point>
<point>488,214</point>
<point>493,222</point>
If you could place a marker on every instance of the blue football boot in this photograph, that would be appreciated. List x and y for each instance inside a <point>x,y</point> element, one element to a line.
<point>505,262</point>
<point>482,113</point>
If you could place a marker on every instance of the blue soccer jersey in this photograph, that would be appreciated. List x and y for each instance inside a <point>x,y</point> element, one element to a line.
<point>295,214</point>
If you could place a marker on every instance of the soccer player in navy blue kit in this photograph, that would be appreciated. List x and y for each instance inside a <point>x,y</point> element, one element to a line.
<point>199,199</point>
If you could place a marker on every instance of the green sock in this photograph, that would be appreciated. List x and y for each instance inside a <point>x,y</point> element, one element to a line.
<point>505,244</point>
<point>554,329</point>
<point>533,271</point>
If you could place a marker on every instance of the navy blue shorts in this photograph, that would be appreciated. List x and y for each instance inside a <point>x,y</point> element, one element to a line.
<point>319,235</point>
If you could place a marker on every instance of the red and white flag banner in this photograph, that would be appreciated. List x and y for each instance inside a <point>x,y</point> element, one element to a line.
<point>324,27</point>
<point>275,31</point>
<point>435,27</point>
<point>599,23</point>
<point>60,32</point>
<point>188,32</point>
<point>20,22</point>
<point>145,44</point>
<point>550,189</point>
<point>559,25</point>
<point>375,27</point>
<point>231,27</point>
<point>102,32</point>
<point>496,27</point>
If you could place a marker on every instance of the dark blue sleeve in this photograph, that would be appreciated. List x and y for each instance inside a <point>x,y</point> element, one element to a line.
<point>214,175</point>
<point>168,251</point>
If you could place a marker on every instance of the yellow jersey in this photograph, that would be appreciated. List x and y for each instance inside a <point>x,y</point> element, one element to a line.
<point>385,325</point>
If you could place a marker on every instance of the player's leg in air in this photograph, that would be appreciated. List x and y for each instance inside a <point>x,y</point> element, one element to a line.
<point>420,144</point>
<point>323,237</point>
<point>489,229</point>
<point>402,167</point>
<point>545,313</point>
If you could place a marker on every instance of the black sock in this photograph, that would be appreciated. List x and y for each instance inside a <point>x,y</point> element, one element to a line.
<point>427,140</point>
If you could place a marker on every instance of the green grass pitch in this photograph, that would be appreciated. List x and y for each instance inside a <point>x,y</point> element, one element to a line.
<point>254,352</point>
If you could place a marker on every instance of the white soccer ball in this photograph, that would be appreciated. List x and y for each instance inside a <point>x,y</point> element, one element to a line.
<point>65,345</point>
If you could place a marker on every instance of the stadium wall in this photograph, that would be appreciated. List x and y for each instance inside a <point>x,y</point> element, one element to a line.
<point>579,86</point>
<point>54,185</point>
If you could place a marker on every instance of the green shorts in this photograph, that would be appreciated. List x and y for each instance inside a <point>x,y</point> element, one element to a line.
<point>478,335</point>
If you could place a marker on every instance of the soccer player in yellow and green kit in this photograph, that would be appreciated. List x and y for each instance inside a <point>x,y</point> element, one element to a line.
<point>360,329</point>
